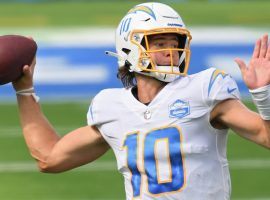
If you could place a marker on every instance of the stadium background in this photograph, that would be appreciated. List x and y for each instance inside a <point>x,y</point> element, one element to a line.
<point>71,67</point>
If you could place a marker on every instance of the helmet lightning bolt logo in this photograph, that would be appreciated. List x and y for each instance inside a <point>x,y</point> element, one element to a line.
<point>145,9</point>
<point>214,76</point>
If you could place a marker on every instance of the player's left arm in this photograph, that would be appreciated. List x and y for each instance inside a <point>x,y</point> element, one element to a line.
<point>235,115</point>
<point>256,75</point>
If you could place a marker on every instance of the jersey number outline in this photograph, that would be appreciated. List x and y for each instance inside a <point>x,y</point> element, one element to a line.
<point>172,136</point>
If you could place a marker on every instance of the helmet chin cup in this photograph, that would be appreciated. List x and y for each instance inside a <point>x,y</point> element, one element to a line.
<point>166,73</point>
<point>165,77</point>
<point>168,69</point>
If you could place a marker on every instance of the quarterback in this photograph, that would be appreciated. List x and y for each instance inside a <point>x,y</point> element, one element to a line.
<point>167,129</point>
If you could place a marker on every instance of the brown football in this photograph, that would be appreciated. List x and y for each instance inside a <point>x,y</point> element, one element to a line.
<point>15,52</point>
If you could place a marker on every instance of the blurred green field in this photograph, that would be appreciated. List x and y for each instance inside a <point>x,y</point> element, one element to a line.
<point>109,13</point>
<point>20,179</point>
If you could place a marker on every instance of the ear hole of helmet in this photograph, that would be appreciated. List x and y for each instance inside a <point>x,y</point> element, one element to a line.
<point>127,51</point>
<point>143,43</point>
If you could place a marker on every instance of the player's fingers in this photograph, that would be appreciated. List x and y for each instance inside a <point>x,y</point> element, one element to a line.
<point>268,52</point>
<point>30,37</point>
<point>256,51</point>
<point>33,62</point>
<point>241,64</point>
<point>263,47</point>
<point>26,69</point>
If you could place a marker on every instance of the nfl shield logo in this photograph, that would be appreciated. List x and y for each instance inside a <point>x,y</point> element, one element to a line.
<point>179,109</point>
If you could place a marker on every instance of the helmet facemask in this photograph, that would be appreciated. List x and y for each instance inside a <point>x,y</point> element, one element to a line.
<point>172,69</point>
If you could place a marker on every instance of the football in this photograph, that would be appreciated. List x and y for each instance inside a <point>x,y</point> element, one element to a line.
<point>15,52</point>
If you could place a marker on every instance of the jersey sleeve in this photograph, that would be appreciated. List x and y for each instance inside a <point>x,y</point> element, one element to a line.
<point>102,110</point>
<point>91,113</point>
<point>103,113</point>
<point>96,115</point>
<point>219,86</point>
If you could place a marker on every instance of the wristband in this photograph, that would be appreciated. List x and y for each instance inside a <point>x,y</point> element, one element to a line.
<point>261,98</point>
<point>28,92</point>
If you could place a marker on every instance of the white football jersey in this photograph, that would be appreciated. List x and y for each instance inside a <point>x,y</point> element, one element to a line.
<point>168,149</point>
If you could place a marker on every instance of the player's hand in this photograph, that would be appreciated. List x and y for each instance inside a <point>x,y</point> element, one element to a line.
<point>26,80</point>
<point>257,73</point>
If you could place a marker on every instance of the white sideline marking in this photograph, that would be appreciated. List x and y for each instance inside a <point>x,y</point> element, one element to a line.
<point>66,198</point>
<point>249,163</point>
<point>75,198</point>
<point>252,199</point>
<point>17,131</point>
<point>28,166</point>
<point>111,165</point>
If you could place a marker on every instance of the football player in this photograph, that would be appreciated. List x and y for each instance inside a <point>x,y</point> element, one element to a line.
<point>168,130</point>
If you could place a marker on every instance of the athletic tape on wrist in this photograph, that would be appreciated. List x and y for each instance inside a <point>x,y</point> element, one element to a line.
<point>261,98</point>
<point>28,92</point>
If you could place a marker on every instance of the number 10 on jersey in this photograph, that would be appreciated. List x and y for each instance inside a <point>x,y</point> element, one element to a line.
<point>172,136</point>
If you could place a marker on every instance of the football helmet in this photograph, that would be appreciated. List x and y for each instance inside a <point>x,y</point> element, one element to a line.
<point>132,41</point>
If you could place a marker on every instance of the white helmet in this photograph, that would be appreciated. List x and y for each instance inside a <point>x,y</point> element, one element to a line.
<point>132,40</point>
